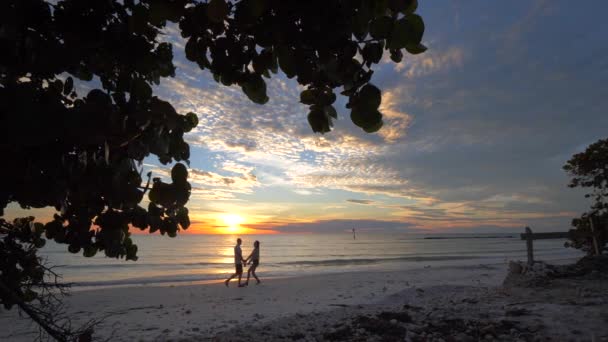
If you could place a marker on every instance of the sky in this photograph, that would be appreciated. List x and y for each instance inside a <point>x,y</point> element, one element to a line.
<point>476,132</point>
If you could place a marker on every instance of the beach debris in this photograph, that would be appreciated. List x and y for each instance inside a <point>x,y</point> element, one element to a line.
<point>523,275</point>
<point>403,317</point>
<point>540,274</point>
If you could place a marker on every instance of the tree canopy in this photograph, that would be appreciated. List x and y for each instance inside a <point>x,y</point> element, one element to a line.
<point>82,153</point>
<point>589,169</point>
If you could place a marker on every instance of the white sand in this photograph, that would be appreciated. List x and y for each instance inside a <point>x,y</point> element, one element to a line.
<point>163,313</point>
<point>200,312</point>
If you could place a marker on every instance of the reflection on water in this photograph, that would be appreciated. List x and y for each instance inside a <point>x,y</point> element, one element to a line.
<point>189,258</point>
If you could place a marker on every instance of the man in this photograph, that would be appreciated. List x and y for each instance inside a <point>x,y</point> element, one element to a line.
<point>238,263</point>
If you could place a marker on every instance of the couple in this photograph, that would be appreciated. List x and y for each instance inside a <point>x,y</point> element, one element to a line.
<point>254,257</point>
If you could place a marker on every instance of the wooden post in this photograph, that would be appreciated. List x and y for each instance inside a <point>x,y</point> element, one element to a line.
<point>529,246</point>
<point>596,247</point>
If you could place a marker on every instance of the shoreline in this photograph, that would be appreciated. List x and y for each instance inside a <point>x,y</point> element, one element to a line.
<point>77,287</point>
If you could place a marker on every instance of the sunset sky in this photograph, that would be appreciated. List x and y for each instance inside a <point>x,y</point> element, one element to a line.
<point>476,131</point>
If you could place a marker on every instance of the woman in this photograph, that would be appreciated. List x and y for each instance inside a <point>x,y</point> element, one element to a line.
<point>254,257</point>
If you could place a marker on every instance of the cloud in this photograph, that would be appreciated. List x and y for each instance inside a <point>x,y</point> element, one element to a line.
<point>470,136</point>
<point>396,122</point>
<point>359,201</point>
<point>200,173</point>
<point>211,185</point>
<point>228,181</point>
<point>346,226</point>
<point>436,59</point>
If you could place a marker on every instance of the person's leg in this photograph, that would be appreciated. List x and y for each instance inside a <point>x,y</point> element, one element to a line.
<point>248,275</point>
<point>229,279</point>
<point>239,270</point>
<point>253,268</point>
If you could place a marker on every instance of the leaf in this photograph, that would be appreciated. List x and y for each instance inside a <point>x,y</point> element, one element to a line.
<point>154,195</point>
<point>182,217</point>
<point>179,173</point>
<point>365,118</point>
<point>98,98</point>
<point>412,7</point>
<point>381,27</point>
<point>141,89</point>
<point>372,52</point>
<point>68,86</point>
<point>396,55</point>
<point>257,7</point>
<point>255,89</point>
<point>373,128</point>
<point>331,111</point>
<point>191,121</point>
<point>138,21</point>
<point>360,23</point>
<point>369,97</point>
<point>319,121</point>
<point>401,36</point>
<point>73,248</point>
<point>349,50</point>
<point>191,49</point>
<point>417,26</point>
<point>309,96</point>
<point>415,49</point>
<point>380,7</point>
<point>38,228</point>
<point>260,63</point>
<point>217,11</point>
<point>131,252</point>
<point>408,30</point>
<point>89,251</point>
<point>326,97</point>
<point>39,243</point>
<point>287,60</point>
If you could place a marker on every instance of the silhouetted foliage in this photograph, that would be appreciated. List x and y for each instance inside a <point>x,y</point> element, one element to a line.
<point>589,169</point>
<point>82,155</point>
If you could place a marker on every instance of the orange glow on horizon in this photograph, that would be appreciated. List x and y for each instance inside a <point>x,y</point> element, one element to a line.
<point>229,224</point>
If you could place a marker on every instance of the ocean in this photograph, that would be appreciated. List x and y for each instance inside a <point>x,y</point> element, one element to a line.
<point>200,258</point>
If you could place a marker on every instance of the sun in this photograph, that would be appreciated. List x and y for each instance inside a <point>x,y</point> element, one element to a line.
<point>232,222</point>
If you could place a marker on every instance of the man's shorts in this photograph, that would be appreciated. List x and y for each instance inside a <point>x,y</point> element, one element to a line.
<point>239,268</point>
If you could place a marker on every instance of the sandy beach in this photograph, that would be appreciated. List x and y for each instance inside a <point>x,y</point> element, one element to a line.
<point>308,308</point>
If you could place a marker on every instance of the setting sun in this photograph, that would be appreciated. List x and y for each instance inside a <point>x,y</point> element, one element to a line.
<point>232,222</point>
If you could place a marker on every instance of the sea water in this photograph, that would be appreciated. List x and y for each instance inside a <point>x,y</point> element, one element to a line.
<point>196,258</point>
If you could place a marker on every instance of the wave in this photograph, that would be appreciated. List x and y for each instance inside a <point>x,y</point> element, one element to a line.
<point>187,278</point>
<point>144,265</point>
<point>285,268</point>
<point>469,237</point>
<point>344,262</point>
